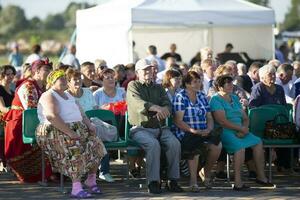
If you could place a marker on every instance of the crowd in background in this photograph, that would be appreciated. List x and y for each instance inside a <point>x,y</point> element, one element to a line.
<point>200,97</point>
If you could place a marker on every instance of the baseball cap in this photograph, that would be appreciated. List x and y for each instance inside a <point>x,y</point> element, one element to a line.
<point>142,64</point>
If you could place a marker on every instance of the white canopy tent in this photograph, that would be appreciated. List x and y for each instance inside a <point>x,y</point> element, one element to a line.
<point>107,30</point>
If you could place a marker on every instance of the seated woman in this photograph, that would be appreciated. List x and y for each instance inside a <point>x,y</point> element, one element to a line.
<point>20,157</point>
<point>7,73</point>
<point>68,137</point>
<point>109,93</point>
<point>84,97</point>
<point>228,113</point>
<point>172,83</point>
<point>194,123</point>
<point>267,92</point>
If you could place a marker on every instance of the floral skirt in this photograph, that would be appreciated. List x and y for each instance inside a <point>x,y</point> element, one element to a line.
<point>73,158</point>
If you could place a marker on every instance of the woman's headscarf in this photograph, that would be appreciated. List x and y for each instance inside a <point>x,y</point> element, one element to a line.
<point>54,75</point>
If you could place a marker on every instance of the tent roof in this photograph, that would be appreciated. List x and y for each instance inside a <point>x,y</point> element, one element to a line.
<point>199,12</point>
<point>178,13</point>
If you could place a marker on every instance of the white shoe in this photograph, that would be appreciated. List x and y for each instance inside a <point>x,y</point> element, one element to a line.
<point>106,177</point>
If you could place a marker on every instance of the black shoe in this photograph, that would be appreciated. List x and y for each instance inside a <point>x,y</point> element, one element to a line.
<point>173,186</point>
<point>221,175</point>
<point>264,184</point>
<point>154,187</point>
<point>243,188</point>
<point>252,175</point>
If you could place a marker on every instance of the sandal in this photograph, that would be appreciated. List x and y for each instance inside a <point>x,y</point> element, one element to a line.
<point>207,182</point>
<point>81,195</point>
<point>94,189</point>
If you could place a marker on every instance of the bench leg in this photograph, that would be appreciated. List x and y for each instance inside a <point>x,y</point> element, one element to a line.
<point>127,167</point>
<point>270,164</point>
<point>228,167</point>
<point>43,183</point>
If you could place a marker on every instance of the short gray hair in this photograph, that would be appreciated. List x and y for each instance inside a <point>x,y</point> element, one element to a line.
<point>266,69</point>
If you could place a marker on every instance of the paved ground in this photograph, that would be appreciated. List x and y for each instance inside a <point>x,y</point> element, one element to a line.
<point>288,187</point>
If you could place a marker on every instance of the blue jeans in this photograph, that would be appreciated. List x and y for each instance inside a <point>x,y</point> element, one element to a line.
<point>104,165</point>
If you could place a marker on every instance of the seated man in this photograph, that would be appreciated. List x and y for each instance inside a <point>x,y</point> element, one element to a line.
<point>148,107</point>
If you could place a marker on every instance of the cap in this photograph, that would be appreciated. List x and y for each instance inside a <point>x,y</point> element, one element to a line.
<point>142,64</point>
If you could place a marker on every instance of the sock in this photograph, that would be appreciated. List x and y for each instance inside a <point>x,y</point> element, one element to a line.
<point>76,187</point>
<point>91,180</point>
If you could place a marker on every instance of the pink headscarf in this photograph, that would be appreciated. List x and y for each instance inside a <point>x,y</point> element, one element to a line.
<point>38,63</point>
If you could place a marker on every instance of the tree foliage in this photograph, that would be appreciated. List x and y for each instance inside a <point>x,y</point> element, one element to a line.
<point>292,18</point>
<point>12,20</point>
<point>54,22</point>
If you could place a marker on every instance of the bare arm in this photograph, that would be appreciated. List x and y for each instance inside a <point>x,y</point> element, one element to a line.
<point>3,109</point>
<point>220,117</point>
<point>178,120</point>
<point>52,115</point>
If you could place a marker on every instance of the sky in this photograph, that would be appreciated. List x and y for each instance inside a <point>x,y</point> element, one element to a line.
<point>42,8</point>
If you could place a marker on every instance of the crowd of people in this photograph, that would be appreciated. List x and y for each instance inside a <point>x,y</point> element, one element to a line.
<point>206,101</point>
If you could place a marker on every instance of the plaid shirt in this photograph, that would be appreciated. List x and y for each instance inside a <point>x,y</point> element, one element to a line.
<point>194,114</point>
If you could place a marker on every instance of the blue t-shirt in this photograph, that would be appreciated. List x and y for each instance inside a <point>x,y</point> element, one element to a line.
<point>101,98</point>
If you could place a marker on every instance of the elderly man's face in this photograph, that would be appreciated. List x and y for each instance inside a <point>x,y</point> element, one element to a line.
<point>145,75</point>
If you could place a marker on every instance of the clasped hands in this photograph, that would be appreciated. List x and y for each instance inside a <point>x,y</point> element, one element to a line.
<point>203,133</point>
<point>242,132</point>
<point>161,112</point>
<point>75,136</point>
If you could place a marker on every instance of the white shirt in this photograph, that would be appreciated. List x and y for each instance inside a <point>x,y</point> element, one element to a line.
<point>160,76</point>
<point>33,57</point>
<point>70,59</point>
<point>160,62</point>
<point>68,109</point>
<point>288,90</point>
<point>297,47</point>
<point>205,83</point>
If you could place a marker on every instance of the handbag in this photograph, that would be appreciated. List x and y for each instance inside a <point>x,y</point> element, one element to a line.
<point>279,130</point>
<point>105,131</point>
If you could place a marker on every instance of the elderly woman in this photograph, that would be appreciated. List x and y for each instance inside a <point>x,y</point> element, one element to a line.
<point>172,83</point>
<point>20,156</point>
<point>109,93</point>
<point>68,137</point>
<point>229,114</point>
<point>85,98</point>
<point>267,92</point>
<point>194,124</point>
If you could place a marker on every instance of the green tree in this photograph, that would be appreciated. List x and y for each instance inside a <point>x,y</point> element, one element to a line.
<point>12,20</point>
<point>54,22</point>
<point>35,23</point>
<point>260,2</point>
<point>292,18</point>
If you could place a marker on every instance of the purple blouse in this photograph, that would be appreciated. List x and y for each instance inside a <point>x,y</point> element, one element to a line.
<point>260,96</point>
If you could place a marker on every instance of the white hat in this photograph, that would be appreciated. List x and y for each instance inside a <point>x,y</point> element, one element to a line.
<point>142,64</point>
